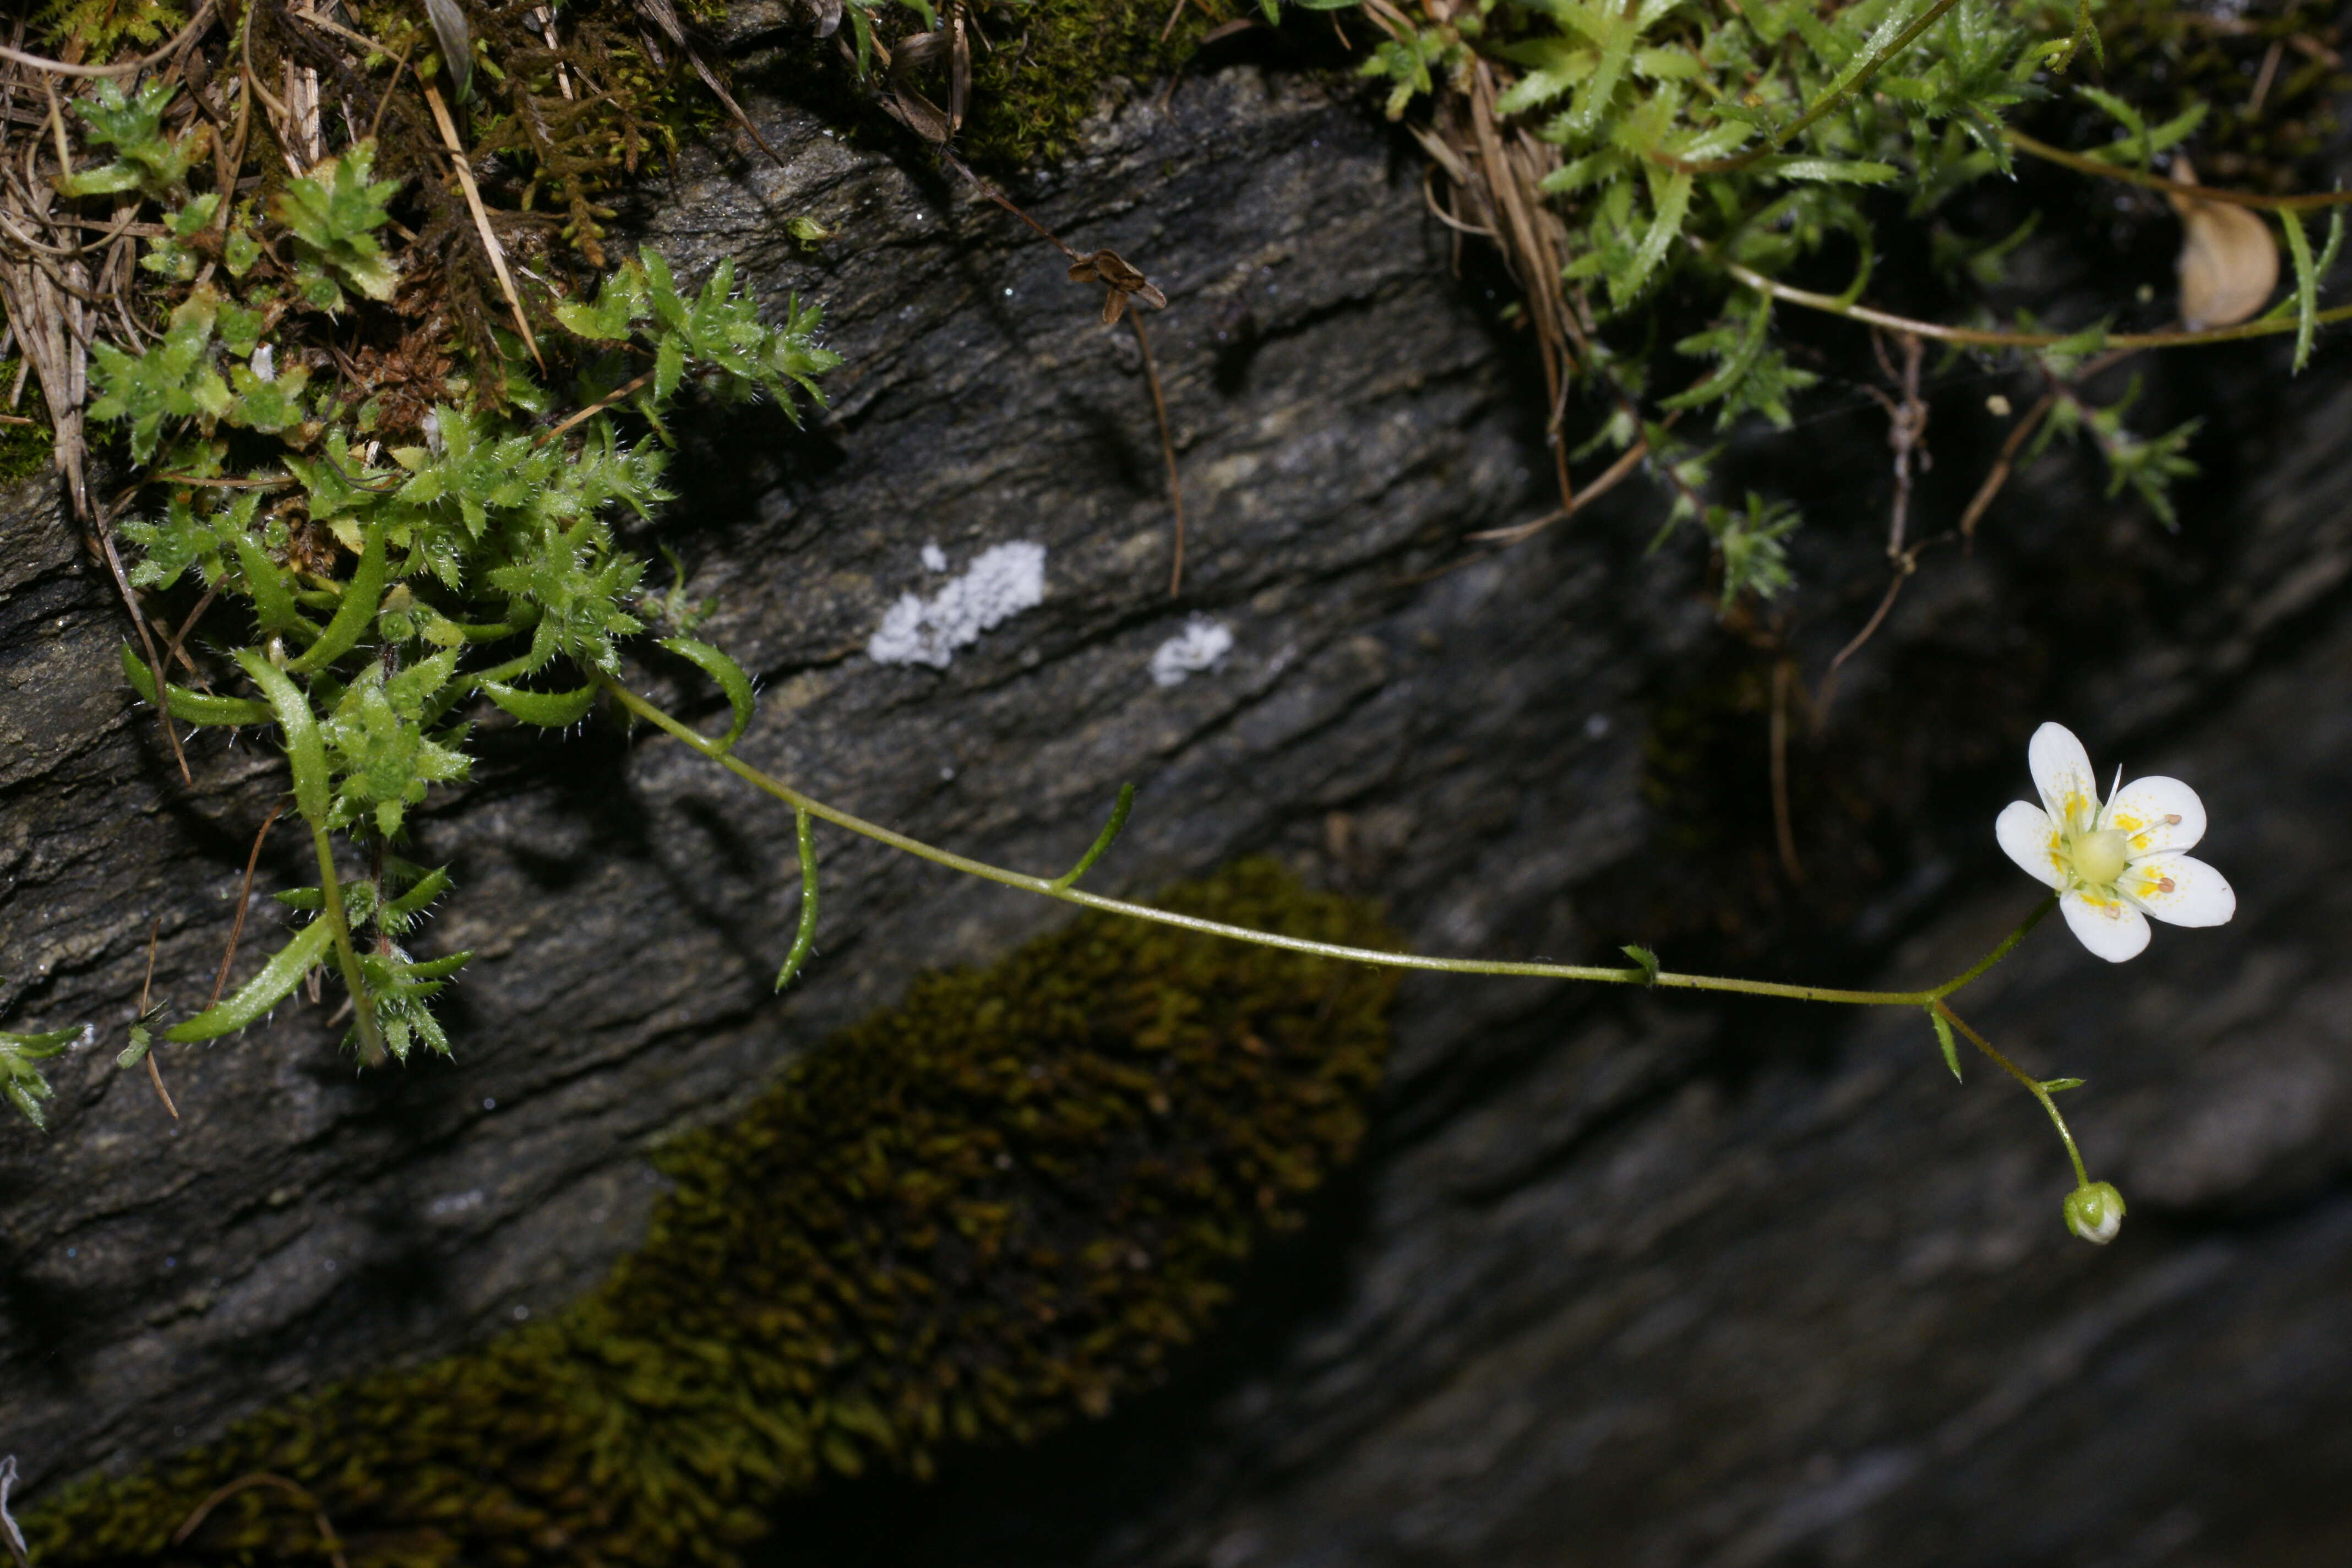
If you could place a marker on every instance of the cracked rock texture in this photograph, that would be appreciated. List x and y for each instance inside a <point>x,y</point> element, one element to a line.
<point>1626,1280</point>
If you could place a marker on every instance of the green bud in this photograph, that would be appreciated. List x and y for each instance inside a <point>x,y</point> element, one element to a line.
<point>2096,1212</point>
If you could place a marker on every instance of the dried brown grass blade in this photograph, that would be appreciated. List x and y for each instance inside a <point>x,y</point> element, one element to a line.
<point>154,1073</point>
<point>481,216</point>
<point>244,900</point>
<point>663,15</point>
<point>1167,448</point>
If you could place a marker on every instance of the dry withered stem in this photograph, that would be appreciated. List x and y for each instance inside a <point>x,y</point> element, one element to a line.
<point>457,148</point>
<point>1122,284</point>
<point>663,15</point>
<point>1907,430</point>
<point>1498,174</point>
<point>1168,449</point>
<point>154,1073</point>
<point>1784,828</point>
<point>1998,475</point>
<point>244,899</point>
<point>593,409</point>
<point>1615,474</point>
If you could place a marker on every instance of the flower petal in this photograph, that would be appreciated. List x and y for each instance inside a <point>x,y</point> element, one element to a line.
<point>2030,839</point>
<point>2178,890</point>
<point>2062,772</point>
<point>2158,813</point>
<point>2110,928</point>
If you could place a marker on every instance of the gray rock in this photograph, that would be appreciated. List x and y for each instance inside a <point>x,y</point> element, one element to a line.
<point>1630,1278</point>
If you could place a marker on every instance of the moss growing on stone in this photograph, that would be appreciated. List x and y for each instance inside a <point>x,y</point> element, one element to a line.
<point>23,448</point>
<point>1051,61</point>
<point>972,1218</point>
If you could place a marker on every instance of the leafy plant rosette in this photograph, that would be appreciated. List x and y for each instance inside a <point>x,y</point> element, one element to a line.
<point>1733,148</point>
<point>390,586</point>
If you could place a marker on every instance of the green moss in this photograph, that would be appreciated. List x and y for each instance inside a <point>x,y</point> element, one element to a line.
<point>25,449</point>
<point>1034,89</point>
<point>974,1217</point>
<point>2166,58</point>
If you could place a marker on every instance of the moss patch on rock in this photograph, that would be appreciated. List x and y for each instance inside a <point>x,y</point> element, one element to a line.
<point>974,1217</point>
<point>1050,62</point>
<point>25,449</point>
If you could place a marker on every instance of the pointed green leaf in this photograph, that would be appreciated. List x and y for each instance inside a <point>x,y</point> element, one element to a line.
<point>192,707</point>
<point>429,886</point>
<point>2306,285</point>
<point>804,939</point>
<point>273,606</point>
<point>1944,1039</point>
<point>353,617</point>
<point>1103,840</point>
<point>550,710</point>
<point>1835,171</point>
<point>1645,959</point>
<point>729,676</point>
<point>305,752</point>
<point>257,995</point>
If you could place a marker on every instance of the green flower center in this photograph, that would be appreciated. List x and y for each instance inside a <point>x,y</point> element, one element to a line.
<point>2100,857</point>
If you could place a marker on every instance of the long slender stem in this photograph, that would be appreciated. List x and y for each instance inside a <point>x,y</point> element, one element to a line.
<point>2107,171</point>
<point>363,1008</point>
<point>2008,942</point>
<point>1053,888</point>
<point>1985,338</point>
<point>804,940</point>
<point>2033,1085</point>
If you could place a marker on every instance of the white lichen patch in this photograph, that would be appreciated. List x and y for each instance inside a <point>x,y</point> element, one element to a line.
<point>1001,583</point>
<point>1201,644</point>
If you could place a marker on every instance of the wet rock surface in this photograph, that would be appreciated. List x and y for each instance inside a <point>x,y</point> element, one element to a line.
<point>1630,1278</point>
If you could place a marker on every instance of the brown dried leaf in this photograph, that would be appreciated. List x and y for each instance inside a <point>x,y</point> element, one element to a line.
<point>917,113</point>
<point>2228,260</point>
<point>1106,268</point>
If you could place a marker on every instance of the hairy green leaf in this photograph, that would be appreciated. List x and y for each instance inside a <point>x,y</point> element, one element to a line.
<point>549,709</point>
<point>257,995</point>
<point>1945,1042</point>
<point>355,614</point>
<point>192,707</point>
<point>729,676</point>
<point>305,750</point>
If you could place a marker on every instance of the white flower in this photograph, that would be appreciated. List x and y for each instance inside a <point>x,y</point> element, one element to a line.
<point>2115,863</point>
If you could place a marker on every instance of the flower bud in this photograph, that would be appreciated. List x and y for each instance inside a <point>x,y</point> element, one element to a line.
<point>2096,1212</point>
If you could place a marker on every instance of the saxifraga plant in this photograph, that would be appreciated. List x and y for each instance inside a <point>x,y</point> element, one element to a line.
<point>439,530</point>
<point>479,559</point>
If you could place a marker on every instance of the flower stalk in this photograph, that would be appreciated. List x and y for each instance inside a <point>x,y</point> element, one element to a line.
<point>2103,1217</point>
<point>1053,888</point>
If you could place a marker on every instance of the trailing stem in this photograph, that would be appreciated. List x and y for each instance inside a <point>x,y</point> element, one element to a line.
<point>363,1006</point>
<point>1058,888</point>
<point>805,807</point>
<point>2034,1086</point>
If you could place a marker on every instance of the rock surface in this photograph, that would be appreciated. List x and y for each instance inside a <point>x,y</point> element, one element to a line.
<point>1631,1279</point>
